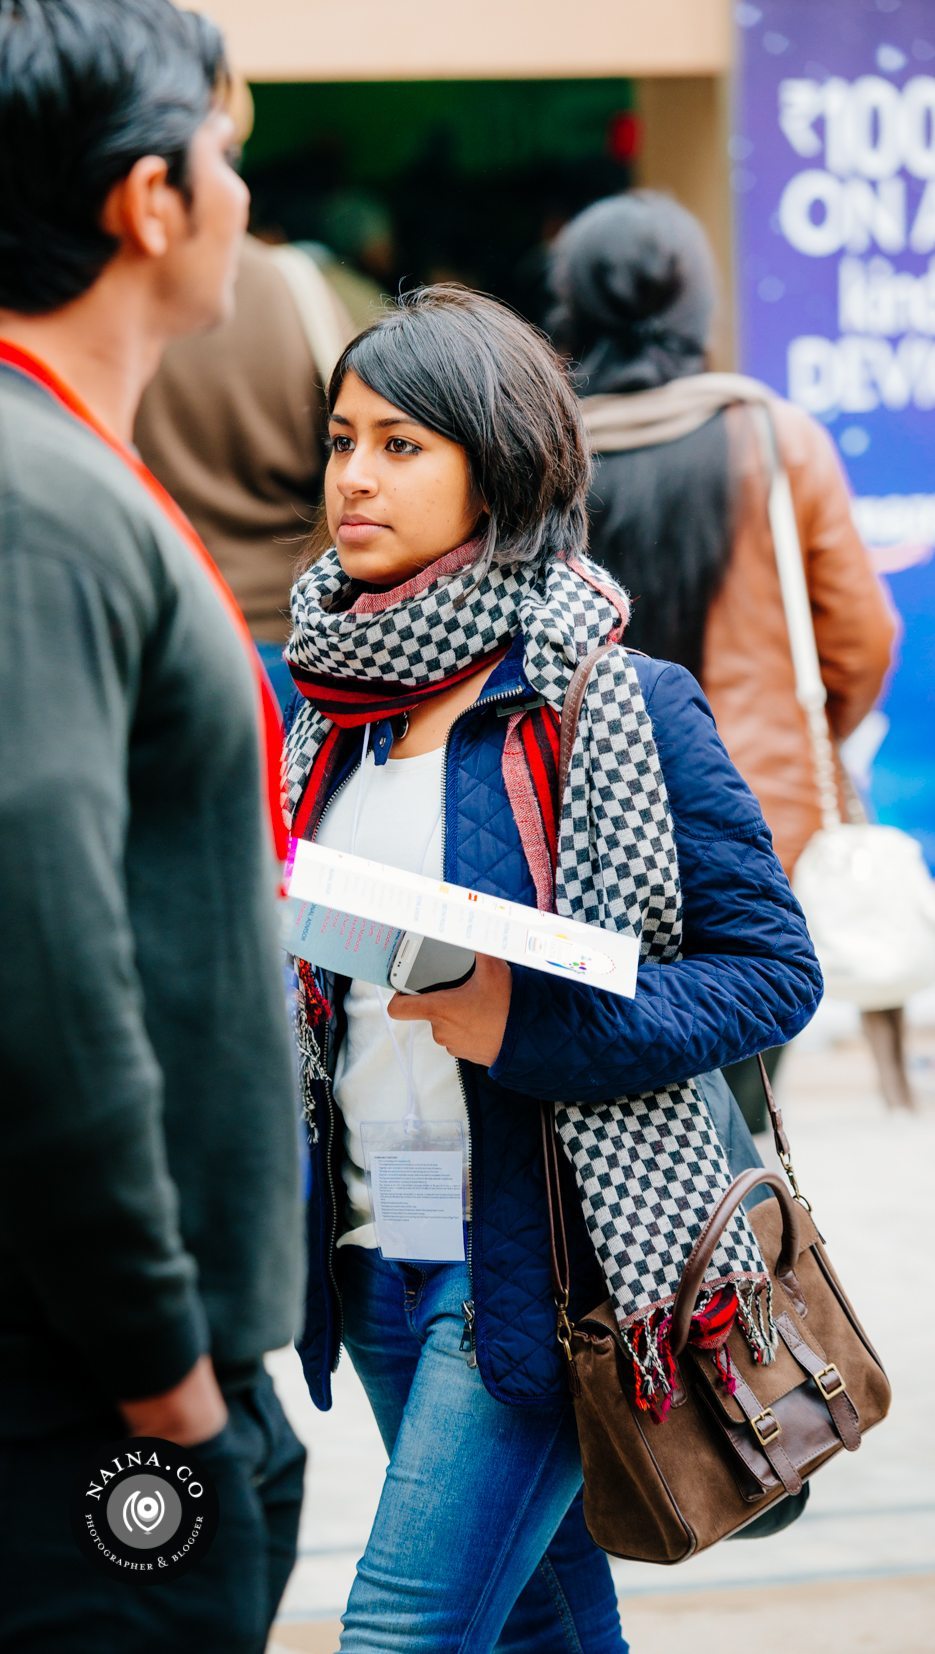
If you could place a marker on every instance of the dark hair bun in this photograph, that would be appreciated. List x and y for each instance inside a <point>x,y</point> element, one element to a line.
<point>633,274</point>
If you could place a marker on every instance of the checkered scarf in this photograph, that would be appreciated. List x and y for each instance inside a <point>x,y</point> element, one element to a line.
<point>649,1168</point>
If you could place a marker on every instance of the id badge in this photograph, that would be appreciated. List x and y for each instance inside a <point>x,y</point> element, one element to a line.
<point>415,1174</point>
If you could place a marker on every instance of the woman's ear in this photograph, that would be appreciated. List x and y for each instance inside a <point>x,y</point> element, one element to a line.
<point>482,518</point>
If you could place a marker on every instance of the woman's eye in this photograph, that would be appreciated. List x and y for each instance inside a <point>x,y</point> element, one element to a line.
<point>399,445</point>
<point>340,444</point>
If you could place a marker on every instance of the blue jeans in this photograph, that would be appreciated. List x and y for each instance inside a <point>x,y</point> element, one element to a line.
<point>479,1543</point>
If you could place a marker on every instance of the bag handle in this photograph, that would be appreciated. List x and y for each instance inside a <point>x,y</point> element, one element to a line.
<point>707,1243</point>
<point>809,685</point>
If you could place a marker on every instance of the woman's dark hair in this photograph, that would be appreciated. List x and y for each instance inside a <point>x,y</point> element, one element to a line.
<point>470,369</point>
<point>634,288</point>
<point>87,88</point>
<point>661,522</point>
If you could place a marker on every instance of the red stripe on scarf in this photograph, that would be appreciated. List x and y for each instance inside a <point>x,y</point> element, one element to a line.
<point>710,1329</point>
<point>315,795</point>
<point>351,705</point>
<point>711,1325</point>
<point>268,714</point>
<point>540,735</point>
<point>530,775</point>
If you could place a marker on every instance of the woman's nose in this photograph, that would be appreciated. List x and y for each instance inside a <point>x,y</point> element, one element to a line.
<point>356,476</point>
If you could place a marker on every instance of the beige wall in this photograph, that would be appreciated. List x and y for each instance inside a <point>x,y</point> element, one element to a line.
<point>473,39</point>
<point>686,128</point>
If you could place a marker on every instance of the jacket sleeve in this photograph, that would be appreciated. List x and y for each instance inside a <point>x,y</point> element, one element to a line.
<point>748,978</point>
<point>855,626</point>
<point>88,1209</point>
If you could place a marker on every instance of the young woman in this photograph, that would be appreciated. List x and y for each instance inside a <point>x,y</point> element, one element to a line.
<point>433,648</point>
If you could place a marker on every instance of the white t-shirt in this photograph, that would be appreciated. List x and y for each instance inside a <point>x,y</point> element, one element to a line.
<point>381,1064</point>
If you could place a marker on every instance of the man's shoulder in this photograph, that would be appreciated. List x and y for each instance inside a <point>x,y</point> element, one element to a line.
<point>63,490</point>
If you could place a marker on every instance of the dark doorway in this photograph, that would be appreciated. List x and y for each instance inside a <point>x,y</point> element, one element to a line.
<point>423,181</point>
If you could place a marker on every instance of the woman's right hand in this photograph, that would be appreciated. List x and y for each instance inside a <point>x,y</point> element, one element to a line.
<point>469,1021</point>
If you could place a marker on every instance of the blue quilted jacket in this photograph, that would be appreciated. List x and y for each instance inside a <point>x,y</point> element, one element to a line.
<point>748,979</point>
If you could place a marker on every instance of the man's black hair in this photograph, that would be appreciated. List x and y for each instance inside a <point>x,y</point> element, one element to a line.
<point>87,88</point>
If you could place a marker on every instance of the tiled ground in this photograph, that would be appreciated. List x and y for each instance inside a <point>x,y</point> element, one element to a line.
<point>858,1571</point>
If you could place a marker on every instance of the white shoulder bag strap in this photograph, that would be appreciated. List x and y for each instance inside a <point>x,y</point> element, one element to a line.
<point>319,309</point>
<point>809,686</point>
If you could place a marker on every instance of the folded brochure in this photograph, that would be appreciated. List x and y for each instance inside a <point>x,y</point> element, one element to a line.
<point>347,914</point>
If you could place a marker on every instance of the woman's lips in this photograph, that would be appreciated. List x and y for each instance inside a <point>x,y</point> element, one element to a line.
<point>357,534</point>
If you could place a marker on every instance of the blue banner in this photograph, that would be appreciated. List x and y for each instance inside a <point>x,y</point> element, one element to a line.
<point>833,172</point>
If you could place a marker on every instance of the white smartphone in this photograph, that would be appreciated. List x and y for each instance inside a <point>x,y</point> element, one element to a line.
<point>420,964</point>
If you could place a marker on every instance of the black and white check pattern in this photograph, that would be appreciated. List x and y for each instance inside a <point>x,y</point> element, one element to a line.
<point>649,1168</point>
<point>420,640</point>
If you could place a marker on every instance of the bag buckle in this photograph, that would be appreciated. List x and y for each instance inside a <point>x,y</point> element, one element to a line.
<point>830,1382</point>
<point>761,1425</point>
<point>785,1160</point>
<point>564,1333</point>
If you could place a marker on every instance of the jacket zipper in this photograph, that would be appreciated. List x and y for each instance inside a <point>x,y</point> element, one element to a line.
<point>468,1337</point>
<point>329,1098</point>
<point>468,1344</point>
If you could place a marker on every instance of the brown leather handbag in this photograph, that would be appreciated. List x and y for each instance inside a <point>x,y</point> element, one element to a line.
<point>659,1492</point>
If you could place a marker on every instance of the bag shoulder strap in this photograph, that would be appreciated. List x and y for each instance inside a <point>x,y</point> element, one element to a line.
<point>787,548</point>
<point>320,310</point>
<point>571,712</point>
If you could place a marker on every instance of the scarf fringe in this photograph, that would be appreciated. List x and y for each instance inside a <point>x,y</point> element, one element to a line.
<point>746,1304</point>
<point>312,1011</point>
<point>755,1314</point>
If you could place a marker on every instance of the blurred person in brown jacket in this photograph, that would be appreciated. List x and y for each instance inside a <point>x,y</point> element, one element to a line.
<point>233,425</point>
<point>678,506</point>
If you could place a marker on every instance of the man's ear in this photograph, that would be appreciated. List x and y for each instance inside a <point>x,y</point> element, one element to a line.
<point>144,212</point>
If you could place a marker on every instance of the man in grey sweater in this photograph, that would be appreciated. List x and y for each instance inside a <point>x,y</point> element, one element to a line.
<point>149,1203</point>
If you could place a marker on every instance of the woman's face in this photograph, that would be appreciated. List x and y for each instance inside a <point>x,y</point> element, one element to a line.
<point>397,496</point>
